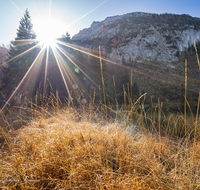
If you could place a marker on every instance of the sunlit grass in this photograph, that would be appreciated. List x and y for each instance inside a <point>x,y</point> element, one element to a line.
<point>65,148</point>
<point>96,146</point>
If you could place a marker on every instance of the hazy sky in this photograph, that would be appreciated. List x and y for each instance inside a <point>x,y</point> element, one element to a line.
<point>74,15</point>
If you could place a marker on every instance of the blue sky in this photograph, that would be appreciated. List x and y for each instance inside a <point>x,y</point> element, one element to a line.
<point>74,15</point>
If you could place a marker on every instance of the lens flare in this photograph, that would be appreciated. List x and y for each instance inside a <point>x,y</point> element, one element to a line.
<point>76,70</point>
<point>75,86</point>
<point>83,101</point>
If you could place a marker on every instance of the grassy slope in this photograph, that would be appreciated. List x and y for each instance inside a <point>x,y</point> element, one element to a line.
<point>63,151</point>
<point>69,151</point>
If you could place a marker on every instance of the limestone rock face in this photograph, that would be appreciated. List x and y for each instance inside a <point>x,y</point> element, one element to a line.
<point>143,36</point>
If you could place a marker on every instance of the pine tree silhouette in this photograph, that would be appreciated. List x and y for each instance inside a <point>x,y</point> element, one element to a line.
<point>19,57</point>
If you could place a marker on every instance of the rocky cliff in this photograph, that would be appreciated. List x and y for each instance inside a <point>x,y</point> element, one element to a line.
<point>143,36</point>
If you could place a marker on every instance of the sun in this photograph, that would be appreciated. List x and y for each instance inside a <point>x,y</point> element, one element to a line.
<point>47,30</point>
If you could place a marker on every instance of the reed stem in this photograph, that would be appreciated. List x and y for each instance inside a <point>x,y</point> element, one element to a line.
<point>185,98</point>
<point>104,95</point>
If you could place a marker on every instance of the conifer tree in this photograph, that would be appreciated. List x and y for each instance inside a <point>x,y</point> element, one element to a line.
<point>124,80</point>
<point>136,91</point>
<point>17,65</point>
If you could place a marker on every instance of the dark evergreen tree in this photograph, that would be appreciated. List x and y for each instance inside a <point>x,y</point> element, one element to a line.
<point>129,61</point>
<point>19,57</point>
<point>122,76</point>
<point>68,36</point>
<point>136,91</point>
<point>123,61</point>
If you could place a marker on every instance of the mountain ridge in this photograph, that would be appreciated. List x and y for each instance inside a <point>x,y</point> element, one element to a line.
<point>143,36</point>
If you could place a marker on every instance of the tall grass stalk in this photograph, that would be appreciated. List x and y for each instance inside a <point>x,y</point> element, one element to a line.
<point>185,113</point>
<point>36,103</point>
<point>104,94</point>
<point>131,87</point>
<point>197,117</point>
<point>124,97</point>
<point>116,102</point>
<point>197,114</point>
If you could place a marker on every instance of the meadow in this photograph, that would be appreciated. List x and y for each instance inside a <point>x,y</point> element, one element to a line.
<point>94,146</point>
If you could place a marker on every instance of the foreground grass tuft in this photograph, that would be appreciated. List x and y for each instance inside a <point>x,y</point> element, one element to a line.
<point>60,152</point>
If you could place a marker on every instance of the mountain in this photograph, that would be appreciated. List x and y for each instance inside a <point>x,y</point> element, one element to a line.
<point>154,47</point>
<point>143,36</point>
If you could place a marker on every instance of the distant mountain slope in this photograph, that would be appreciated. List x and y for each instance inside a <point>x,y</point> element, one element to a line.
<point>143,36</point>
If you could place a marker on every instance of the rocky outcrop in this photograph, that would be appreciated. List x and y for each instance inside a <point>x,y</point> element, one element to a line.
<point>138,36</point>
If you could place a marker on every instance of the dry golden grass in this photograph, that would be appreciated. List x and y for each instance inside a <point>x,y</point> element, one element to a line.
<point>60,152</point>
<point>64,150</point>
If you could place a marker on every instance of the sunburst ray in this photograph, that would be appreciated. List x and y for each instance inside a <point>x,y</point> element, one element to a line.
<point>39,56</point>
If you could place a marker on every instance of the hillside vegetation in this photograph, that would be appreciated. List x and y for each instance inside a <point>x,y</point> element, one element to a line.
<point>150,50</point>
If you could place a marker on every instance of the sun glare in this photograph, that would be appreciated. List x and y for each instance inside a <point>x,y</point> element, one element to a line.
<point>47,30</point>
